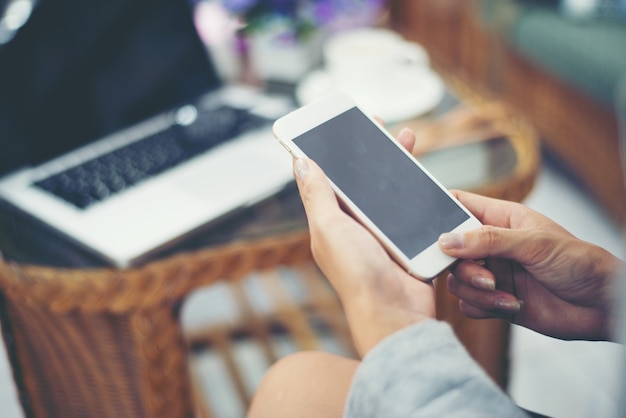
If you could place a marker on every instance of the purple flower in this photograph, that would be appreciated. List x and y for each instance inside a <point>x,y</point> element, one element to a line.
<point>305,15</point>
<point>324,10</point>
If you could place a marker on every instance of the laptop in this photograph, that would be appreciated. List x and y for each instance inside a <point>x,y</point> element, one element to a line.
<point>116,132</point>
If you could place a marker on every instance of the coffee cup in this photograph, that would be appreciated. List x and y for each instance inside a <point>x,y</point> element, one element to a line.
<point>366,61</point>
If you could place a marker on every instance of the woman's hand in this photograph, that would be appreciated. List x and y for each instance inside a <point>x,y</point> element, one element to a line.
<point>378,296</point>
<point>535,273</point>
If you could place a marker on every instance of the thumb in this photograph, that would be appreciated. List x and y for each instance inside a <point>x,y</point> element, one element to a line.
<point>489,241</point>
<point>315,191</point>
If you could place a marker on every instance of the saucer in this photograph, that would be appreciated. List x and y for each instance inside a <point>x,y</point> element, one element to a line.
<point>408,94</point>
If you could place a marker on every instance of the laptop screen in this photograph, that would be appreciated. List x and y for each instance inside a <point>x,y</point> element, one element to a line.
<point>78,70</point>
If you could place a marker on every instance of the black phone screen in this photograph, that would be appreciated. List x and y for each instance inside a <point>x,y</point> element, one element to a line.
<point>393,192</point>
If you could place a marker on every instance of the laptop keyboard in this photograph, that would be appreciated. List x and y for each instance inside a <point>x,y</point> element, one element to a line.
<point>108,174</point>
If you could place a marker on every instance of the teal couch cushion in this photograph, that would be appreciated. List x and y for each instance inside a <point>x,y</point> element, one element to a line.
<point>587,53</point>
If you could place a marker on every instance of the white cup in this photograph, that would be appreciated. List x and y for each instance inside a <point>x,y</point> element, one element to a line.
<point>366,61</point>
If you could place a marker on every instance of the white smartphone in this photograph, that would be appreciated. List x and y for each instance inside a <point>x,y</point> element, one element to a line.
<point>380,183</point>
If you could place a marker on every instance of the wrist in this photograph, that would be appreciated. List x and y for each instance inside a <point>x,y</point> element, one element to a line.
<point>392,303</point>
<point>370,326</point>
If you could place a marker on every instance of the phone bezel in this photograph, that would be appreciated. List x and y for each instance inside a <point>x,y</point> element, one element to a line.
<point>427,264</point>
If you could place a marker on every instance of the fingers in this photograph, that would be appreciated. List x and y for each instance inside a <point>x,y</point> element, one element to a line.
<point>503,213</point>
<point>475,287</point>
<point>324,215</point>
<point>490,241</point>
<point>475,275</point>
<point>472,311</point>
<point>317,196</point>
<point>406,138</point>
<point>474,202</point>
<point>491,211</point>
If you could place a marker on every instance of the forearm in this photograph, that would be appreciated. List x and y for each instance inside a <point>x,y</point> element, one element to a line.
<point>602,275</point>
<point>423,370</point>
<point>615,291</point>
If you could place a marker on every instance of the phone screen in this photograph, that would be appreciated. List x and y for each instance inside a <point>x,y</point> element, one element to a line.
<point>394,193</point>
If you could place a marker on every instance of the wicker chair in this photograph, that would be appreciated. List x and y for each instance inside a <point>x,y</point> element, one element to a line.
<point>107,343</point>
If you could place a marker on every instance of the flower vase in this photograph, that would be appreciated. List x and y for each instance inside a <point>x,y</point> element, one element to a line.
<point>283,58</point>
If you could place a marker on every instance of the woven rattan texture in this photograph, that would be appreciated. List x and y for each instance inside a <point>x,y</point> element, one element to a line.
<point>106,342</point>
<point>477,118</point>
<point>523,136</point>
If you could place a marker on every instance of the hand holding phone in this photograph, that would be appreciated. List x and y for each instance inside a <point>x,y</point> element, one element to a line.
<point>379,182</point>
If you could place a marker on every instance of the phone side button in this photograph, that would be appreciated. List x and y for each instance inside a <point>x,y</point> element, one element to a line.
<point>286,147</point>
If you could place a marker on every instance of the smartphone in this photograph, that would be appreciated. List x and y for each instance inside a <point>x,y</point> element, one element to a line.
<point>379,183</point>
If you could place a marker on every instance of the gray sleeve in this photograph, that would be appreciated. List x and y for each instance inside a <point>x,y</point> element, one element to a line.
<point>424,371</point>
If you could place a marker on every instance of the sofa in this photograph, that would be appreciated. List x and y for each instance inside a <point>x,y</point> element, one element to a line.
<point>557,69</point>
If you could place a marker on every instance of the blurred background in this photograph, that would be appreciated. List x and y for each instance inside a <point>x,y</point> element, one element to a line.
<point>72,71</point>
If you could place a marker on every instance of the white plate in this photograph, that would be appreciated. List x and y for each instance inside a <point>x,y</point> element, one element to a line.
<point>404,96</point>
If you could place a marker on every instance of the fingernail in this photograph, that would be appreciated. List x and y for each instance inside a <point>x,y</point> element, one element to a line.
<point>405,131</point>
<point>451,241</point>
<point>301,168</point>
<point>511,306</point>
<point>485,283</point>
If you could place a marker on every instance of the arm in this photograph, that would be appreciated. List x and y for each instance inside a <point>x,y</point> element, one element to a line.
<point>391,318</point>
<point>378,296</point>
<point>423,370</point>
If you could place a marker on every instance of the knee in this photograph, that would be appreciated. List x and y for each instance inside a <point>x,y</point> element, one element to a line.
<point>307,383</point>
